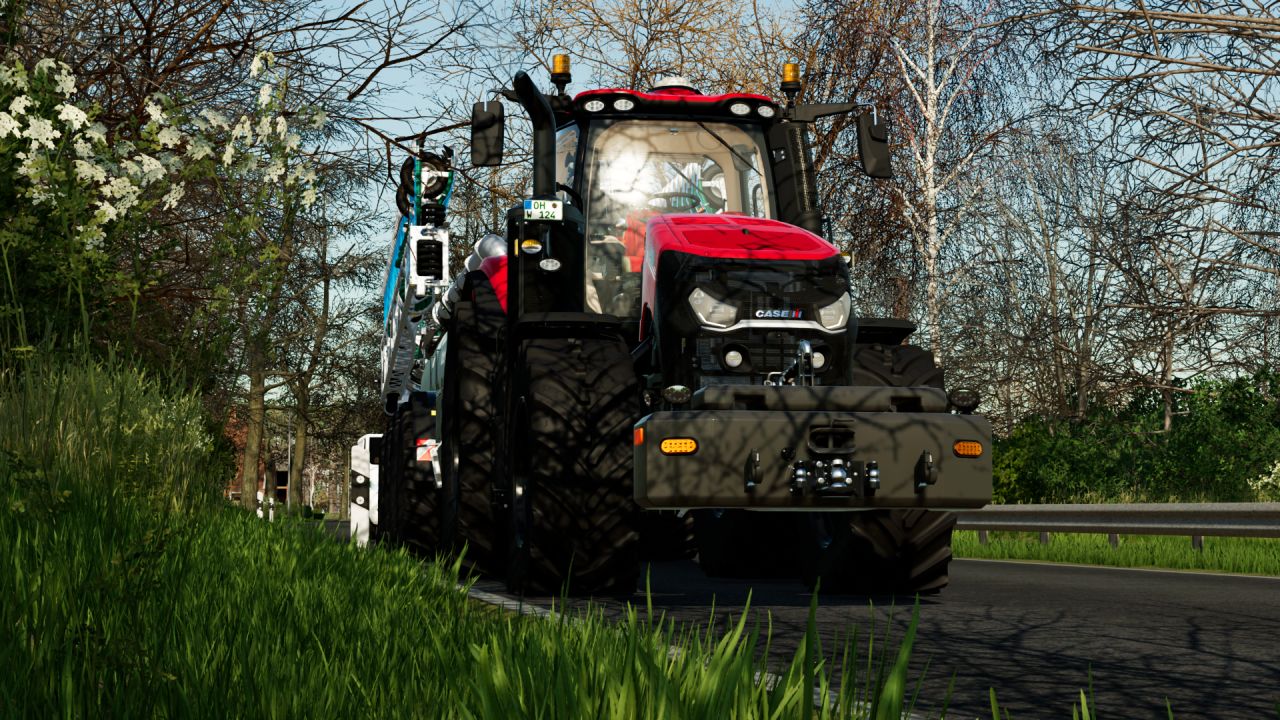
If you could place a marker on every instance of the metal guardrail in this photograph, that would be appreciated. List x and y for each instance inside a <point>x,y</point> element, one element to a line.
<point>1189,519</point>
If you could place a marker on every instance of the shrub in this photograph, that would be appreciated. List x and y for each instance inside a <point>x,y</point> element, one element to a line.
<point>1224,444</point>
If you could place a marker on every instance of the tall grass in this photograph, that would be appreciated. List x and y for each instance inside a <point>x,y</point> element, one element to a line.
<point>131,590</point>
<point>1252,556</point>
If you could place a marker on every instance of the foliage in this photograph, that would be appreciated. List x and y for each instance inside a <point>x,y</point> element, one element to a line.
<point>1223,446</point>
<point>65,191</point>
<point>1253,556</point>
<point>77,234</point>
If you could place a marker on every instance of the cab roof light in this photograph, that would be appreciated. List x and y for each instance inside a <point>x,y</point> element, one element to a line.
<point>560,75</point>
<point>791,82</point>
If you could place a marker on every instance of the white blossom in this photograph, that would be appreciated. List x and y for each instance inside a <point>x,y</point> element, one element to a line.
<point>169,137</point>
<point>228,154</point>
<point>13,76</point>
<point>256,66</point>
<point>90,172</point>
<point>41,133</point>
<point>264,127</point>
<point>84,149</point>
<point>274,171</point>
<point>291,141</point>
<point>152,169</point>
<point>119,188</point>
<point>74,117</point>
<point>65,82</point>
<point>243,128</point>
<point>264,95</point>
<point>318,120</point>
<point>308,197</point>
<point>199,149</point>
<point>97,132</point>
<point>19,105</point>
<point>155,112</point>
<point>9,126</point>
<point>40,194</point>
<point>106,212</point>
<point>172,197</point>
<point>28,166</point>
<point>282,127</point>
<point>45,65</point>
<point>91,236</point>
<point>306,176</point>
<point>215,119</point>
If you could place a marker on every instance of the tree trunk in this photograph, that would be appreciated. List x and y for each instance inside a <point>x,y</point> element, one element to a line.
<point>253,436</point>
<point>298,460</point>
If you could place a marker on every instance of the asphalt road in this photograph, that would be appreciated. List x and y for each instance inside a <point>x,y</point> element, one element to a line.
<point>1208,643</point>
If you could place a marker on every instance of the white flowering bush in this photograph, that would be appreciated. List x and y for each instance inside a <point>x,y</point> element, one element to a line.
<point>1266,487</point>
<point>76,197</point>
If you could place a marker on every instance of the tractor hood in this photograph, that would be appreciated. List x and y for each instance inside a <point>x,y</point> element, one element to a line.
<point>734,236</point>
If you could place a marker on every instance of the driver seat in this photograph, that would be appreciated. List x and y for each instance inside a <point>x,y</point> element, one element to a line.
<point>633,236</point>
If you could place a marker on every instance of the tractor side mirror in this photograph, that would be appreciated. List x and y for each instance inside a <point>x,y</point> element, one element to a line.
<point>486,134</point>
<point>873,146</point>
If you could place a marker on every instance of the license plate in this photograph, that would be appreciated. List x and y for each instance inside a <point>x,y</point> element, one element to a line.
<point>543,210</point>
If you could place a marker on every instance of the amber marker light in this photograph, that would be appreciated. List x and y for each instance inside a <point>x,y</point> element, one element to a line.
<point>791,82</point>
<point>678,446</point>
<point>637,437</point>
<point>967,448</point>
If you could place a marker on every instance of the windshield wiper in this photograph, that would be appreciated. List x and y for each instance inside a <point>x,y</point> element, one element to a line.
<point>728,147</point>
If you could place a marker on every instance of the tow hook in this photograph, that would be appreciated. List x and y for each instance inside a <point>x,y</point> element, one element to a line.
<point>926,471</point>
<point>836,477</point>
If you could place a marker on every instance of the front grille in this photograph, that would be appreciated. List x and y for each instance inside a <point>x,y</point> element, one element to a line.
<point>764,351</point>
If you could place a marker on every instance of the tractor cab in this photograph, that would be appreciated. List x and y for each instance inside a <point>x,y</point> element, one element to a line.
<point>627,157</point>
<point>678,185</point>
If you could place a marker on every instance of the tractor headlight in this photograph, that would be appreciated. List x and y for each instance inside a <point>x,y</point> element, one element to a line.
<point>711,311</point>
<point>835,315</point>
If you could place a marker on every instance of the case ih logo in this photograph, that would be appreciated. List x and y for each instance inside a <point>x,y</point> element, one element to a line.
<point>786,314</point>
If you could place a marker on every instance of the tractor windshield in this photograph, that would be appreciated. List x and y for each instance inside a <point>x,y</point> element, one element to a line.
<point>641,168</point>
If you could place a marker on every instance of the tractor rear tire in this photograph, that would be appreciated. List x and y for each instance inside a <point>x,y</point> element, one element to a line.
<point>573,517</point>
<point>882,551</point>
<point>469,436</point>
<point>895,366</point>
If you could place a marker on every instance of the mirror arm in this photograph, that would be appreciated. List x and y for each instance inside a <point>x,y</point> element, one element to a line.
<point>812,111</point>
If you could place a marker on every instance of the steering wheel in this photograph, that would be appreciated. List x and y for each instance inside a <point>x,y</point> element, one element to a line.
<point>669,196</point>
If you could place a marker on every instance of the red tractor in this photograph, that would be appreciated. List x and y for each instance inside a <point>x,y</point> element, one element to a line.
<point>662,357</point>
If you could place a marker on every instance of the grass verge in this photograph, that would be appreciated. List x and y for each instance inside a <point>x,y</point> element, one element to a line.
<point>132,591</point>
<point>1252,556</point>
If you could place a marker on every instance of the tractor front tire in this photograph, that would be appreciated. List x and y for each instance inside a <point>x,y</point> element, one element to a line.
<point>573,517</point>
<point>469,431</point>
